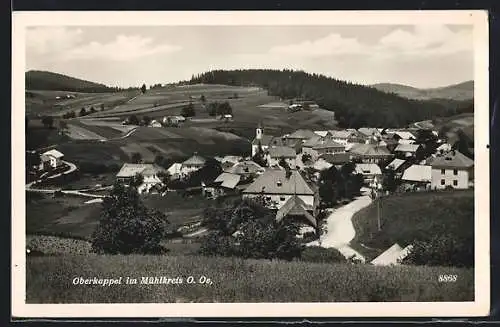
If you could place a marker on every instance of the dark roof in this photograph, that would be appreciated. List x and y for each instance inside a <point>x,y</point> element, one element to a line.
<point>370,150</point>
<point>295,207</point>
<point>130,169</point>
<point>264,140</point>
<point>245,167</point>
<point>327,143</point>
<point>282,152</point>
<point>336,158</point>
<point>275,181</point>
<point>452,159</point>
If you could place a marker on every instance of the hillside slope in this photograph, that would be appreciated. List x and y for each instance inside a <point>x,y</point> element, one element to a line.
<point>44,80</point>
<point>460,92</point>
<point>354,105</point>
<point>235,280</point>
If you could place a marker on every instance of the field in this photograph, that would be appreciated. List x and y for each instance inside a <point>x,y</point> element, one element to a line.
<point>48,280</point>
<point>68,216</point>
<point>46,102</point>
<point>93,152</point>
<point>412,216</point>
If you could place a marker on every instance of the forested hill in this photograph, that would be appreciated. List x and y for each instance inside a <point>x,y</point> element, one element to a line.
<point>354,105</point>
<point>43,80</point>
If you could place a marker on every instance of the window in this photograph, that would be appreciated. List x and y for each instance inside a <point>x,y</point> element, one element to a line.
<point>442,182</point>
<point>455,182</point>
<point>442,171</point>
<point>282,198</point>
<point>455,172</point>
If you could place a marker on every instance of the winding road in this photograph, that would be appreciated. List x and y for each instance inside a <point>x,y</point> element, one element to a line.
<point>340,230</point>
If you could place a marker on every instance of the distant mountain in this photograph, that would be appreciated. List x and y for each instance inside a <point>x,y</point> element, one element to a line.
<point>43,80</point>
<point>354,105</point>
<point>461,91</point>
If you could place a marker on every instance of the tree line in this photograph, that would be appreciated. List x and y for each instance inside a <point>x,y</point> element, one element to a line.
<point>354,105</point>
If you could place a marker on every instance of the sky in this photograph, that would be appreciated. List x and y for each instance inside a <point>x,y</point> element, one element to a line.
<point>416,55</point>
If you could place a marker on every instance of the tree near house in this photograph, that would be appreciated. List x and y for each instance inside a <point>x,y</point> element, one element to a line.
<point>146,120</point>
<point>248,229</point>
<point>133,120</point>
<point>63,126</point>
<point>389,182</point>
<point>259,157</point>
<point>188,111</point>
<point>136,157</point>
<point>306,157</point>
<point>282,162</point>
<point>48,121</point>
<point>143,88</point>
<point>83,112</point>
<point>126,226</point>
<point>137,180</point>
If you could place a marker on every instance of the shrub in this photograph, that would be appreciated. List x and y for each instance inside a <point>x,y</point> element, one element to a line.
<point>322,255</point>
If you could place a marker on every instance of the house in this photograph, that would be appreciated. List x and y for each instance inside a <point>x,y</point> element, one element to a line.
<point>275,154</point>
<point>370,171</point>
<point>322,164</point>
<point>295,210</point>
<point>192,164</point>
<point>299,135</point>
<point>322,133</point>
<point>337,159</point>
<point>404,135</point>
<point>392,256</point>
<point>369,132</point>
<point>328,146</point>
<point>175,170</point>
<point>398,166</point>
<point>407,150</point>
<point>279,185</point>
<point>51,159</point>
<point>369,153</point>
<point>345,137</point>
<point>155,123</point>
<point>417,177</point>
<point>224,184</point>
<point>247,169</point>
<point>173,120</point>
<point>452,170</point>
<point>308,145</point>
<point>150,172</point>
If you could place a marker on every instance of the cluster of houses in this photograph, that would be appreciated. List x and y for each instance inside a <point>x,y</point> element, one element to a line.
<point>288,192</point>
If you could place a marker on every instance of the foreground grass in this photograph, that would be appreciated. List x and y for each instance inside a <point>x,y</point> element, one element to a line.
<point>49,280</point>
<point>411,216</point>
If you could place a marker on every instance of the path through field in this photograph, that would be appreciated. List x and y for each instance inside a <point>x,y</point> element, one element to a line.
<point>340,230</point>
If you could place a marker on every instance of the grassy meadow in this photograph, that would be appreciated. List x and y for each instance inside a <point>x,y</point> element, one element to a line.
<point>408,216</point>
<point>49,280</point>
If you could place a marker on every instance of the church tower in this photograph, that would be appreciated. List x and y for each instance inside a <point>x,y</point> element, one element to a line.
<point>259,132</point>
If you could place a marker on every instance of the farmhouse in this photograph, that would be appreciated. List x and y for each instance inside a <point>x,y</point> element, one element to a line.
<point>398,166</point>
<point>337,159</point>
<point>407,150</point>
<point>344,136</point>
<point>155,123</point>
<point>224,184</point>
<point>275,154</point>
<point>279,185</point>
<point>370,153</point>
<point>175,170</point>
<point>300,135</point>
<point>192,164</point>
<point>370,171</point>
<point>328,146</point>
<point>51,159</point>
<point>452,170</point>
<point>247,169</point>
<point>173,120</point>
<point>417,177</point>
<point>295,210</point>
<point>150,173</point>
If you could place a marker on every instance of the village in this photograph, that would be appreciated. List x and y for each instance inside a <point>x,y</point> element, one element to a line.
<point>295,174</point>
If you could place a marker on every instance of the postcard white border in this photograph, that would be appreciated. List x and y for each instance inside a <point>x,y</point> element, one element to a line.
<point>477,18</point>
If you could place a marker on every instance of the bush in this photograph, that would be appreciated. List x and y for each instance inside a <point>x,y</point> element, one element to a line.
<point>322,255</point>
<point>126,226</point>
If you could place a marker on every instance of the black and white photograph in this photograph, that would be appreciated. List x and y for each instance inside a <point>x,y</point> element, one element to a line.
<point>250,163</point>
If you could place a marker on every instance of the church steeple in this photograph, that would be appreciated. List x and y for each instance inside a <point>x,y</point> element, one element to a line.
<point>259,131</point>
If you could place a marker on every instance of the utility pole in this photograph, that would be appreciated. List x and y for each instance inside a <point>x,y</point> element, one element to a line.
<point>378,213</point>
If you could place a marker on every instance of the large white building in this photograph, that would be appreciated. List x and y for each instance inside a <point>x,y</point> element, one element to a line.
<point>452,170</point>
<point>150,172</point>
